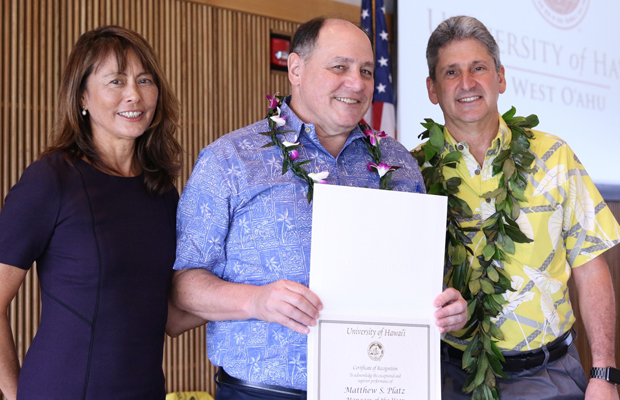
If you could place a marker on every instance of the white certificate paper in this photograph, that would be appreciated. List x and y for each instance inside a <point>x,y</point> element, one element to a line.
<point>377,265</point>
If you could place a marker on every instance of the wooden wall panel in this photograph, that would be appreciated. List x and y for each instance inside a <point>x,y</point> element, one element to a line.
<point>215,59</point>
<point>291,10</point>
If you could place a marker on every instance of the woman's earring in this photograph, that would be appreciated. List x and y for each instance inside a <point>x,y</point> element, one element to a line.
<point>84,112</point>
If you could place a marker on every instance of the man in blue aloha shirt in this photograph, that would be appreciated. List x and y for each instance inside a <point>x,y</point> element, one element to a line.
<point>244,228</point>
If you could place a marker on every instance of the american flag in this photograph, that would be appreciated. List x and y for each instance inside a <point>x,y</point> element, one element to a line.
<point>381,115</point>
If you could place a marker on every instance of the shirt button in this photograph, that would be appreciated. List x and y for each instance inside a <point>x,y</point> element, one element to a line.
<point>477,172</point>
<point>488,200</point>
<point>460,147</point>
<point>308,130</point>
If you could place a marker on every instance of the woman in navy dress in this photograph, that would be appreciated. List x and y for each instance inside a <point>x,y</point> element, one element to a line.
<point>96,213</point>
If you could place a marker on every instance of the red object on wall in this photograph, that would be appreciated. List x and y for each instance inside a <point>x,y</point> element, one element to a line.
<point>280,46</point>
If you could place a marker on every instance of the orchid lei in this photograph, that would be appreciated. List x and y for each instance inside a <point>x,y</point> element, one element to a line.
<point>290,153</point>
<point>484,283</point>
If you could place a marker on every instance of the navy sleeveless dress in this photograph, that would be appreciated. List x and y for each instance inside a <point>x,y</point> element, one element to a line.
<point>104,248</point>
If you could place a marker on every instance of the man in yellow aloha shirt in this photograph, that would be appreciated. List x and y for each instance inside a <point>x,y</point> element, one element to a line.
<point>565,216</point>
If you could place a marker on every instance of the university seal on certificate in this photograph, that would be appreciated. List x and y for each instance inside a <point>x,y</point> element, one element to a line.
<point>375,351</point>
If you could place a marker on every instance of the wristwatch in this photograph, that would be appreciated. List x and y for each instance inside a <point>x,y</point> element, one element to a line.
<point>610,374</point>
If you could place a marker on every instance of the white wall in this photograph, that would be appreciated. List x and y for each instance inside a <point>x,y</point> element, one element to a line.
<point>563,67</point>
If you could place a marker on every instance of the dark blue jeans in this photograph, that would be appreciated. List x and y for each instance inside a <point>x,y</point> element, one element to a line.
<point>229,392</point>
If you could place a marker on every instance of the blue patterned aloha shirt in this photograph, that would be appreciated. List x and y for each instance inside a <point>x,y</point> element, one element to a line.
<point>241,219</point>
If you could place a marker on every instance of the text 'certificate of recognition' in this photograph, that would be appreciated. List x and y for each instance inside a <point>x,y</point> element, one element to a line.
<point>377,265</point>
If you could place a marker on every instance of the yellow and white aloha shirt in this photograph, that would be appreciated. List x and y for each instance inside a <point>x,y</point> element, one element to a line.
<point>565,216</point>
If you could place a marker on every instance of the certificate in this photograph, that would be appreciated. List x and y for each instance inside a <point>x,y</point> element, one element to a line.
<point>377,265</point>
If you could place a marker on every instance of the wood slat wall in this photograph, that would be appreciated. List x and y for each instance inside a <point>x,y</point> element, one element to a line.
<point>217,61</point>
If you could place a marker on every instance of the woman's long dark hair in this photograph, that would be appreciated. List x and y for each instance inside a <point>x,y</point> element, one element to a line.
<point>157,150</point>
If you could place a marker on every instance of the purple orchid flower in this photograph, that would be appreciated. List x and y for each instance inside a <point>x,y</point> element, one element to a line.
<point>279,120</point>
<point>381,169</point>
<point>286,143</point>
<point>293,154</point>
<point>273,101</point>
<point>319,177</point>
<point>374,136</point>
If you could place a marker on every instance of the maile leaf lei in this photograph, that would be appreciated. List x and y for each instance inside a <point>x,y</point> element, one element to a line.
<point>482,284</point>
<point>290,154</point>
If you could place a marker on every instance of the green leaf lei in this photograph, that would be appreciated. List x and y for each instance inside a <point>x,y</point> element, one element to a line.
<point>289,150</point>
<point>481,285</point>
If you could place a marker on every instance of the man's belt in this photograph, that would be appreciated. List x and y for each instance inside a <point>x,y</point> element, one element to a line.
<point>528,359</point>
<point>223,377</point>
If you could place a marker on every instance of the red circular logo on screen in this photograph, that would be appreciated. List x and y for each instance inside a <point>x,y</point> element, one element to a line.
<point>563,14</point>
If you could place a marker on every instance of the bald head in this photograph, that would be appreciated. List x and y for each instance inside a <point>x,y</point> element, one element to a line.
<point>306,36</point>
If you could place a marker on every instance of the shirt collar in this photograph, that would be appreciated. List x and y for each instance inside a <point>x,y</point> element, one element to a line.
<point>501,141</point>
<point>293,123</point>
<point>300,128</point>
